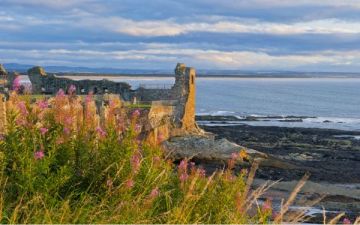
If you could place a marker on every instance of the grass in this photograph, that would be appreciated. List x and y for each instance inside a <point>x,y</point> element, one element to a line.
<point>60,162</point>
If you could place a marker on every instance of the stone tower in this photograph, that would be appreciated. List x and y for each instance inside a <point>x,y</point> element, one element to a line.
<point>184,90</point>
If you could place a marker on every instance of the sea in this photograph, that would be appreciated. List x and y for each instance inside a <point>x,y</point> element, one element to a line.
<point>332,103</point>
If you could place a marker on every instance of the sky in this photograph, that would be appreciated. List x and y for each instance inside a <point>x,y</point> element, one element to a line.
<point>257,35</point>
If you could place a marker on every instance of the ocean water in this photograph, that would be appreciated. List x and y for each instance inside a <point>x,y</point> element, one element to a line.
<point>324,102</point>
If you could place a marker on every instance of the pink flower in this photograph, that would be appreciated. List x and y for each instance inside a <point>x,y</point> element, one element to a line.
<point>72,89</point>
<point>60,93</point>
<point>88,98</point>
<point>183,177</point>
<point>68,120</point>
<point>43,104</point>
<point>16,84</point>
<point>101,132</point>
<point>22,107</point>
<point>136,113</point>
<point>39,154</point>
<point>43,130</point>
<point>135,162</point>
<point>346,221</point>
<point>267,205</point>
<point>138,128</point>
<point>202,172</point>
<point>130,183</point>
<point>2,137</point>
<point>66,130</point>
<point>183,165</point>
<point>154,193</point>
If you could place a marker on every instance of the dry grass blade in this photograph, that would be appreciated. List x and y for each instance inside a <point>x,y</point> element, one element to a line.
<point>291,198</point>
<point>336,218</point>
<point>300,216</point>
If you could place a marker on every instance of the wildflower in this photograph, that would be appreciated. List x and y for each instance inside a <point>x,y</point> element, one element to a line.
<point>136,113</point>
<point>183,177</point>
<point>154,192</point>
<point>39,154</point>
<point>2,137</point>
<point>43,130</point>
<point>60,93</point>
<point>202,172</point>
<point>71,89</point>
<point>101,132</point>
<point>22,107</point>
<point>130,183</point>
<point>43,104</point>
<point>183,165</point>
<point>138,128</point>
<point>135,162</point>
<point>266,206</point>
<point>66,130</point>
<point>346,221</point>
<point>88,98</point>
<point>16,84</point>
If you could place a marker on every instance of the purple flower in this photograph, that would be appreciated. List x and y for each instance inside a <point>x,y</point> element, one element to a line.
<point>60,93</point>
<point>39,154</point>
<point>72,89</point>
<point>136,113</point>
<point>101,132</point>
<point>154,192</point>
<point>346,221</point>
<point>16,84</point>
<point>202,172</point>
<point>43,104</point>
<point>43,130</point>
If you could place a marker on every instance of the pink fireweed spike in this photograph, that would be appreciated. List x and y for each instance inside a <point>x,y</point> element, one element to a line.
<point>43,104</point>
<point>16,84</point>
<point>72,90</point>
<point>266,206</point>
<point>138,128</point>
<point>22,108</point>
<point>101,132</point>
<point>183,177</point>
<point>183,165</point>
<point>136,113</point>
<point>39,154</point>
<point>346,221</point>
<point>66,131</point>
<point>43,130</point>
<point>60,93</point>
<point>135,162</point>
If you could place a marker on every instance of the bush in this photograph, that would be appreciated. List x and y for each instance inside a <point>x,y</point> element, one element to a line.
<point>63,163</point>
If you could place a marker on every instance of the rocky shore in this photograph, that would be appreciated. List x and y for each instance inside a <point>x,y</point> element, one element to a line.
<point>332,157</point>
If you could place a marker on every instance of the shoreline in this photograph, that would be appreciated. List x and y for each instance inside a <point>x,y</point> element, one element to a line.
<point>331,160</point>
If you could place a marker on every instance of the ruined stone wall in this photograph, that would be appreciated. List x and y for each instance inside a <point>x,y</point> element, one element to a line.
<point>148,95</point>
<point>50,84</point>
